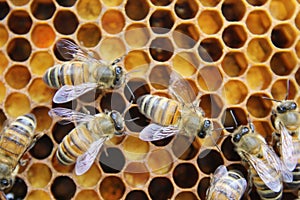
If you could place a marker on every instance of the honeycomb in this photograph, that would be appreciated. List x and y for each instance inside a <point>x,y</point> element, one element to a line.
<point>233,52</point>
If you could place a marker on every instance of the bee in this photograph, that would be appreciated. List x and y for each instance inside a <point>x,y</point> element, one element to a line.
<point>81,75</point>
<point>83,143</point>
<point>15,140</point>
<point>226,185</point>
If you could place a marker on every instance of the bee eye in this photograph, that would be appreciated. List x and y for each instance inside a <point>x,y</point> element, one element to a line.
<point>201,134</point>
<point>245,130</point>
<point>117,122</point>
<point>293,106</point>
<point>281,109</point>
<point>206,123</point>
<point>119,76</point>
<point>4,182</point>
<point>236,138</point>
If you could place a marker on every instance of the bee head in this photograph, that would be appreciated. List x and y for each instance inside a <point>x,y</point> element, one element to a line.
<point>286,106</point>
<point>205,129</point>
<point>119,77</point>
<point>118,122</point>
<point>238,134</point>
<point>5,183</point>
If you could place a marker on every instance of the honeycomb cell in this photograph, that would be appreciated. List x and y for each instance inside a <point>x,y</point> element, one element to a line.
<point>137,63</point>
<point>42,9</point>
<point>210,49</point>
<point>17,104</point>
<point>211,104</point>
<point>42,148</point>
<point>39,175</point>
<point>19,22</point>
<point>228,149</point>
<point>4,9</point>
<point>60,167</point>
<point>113,101</point>
<point>185,63</point>
<point>297,20</point>
<point>3,62</point>
<point>112,161</point>
<point>14,80</point>
<point>66,3</point>
<point>259,77</point>
<point>88,9</point>
<point>136,194</point>
<point>2,119</point>
<point>87,194</point>
<point>112,48</point>
<point>183,148</point>
<point>40,61</point>
<point>234,36</point>
<point>185,175</point>
<point>136,9</point>
<point>259,49</point>
<point>202,187</point>
<point>161,21</point>
<point>19,49</point>
<point>136,174</point>
<point>112,3</point>
<point>60,130</point>
<point>161,49</point>
<point>233,10</point>
<point>210,3</point>
<point>210,21</point>
<point>160,188</point>
<point>258,107</point>
<point>112,188</point>
<point>137,35</point>
<point>43,35</point>
<point>283,36</point>
<point>281,91</point>
<point>2,92</point>
<point>235,92</point>
<point>161,2</point>
<point>65,22</point>
<point>138,86</point>
<point>89,35</point>
<point>160,76</point>
<point>209,78</point>
<point>40,92</point>
<point>113,21</point>
<point>186,9</point>
<point>160,161</point>
<point>209,160</point>
<point>19,189</point>
<point>134,148</point>
<point>139,123</point>
<point>258,22</point>
<point>38,194</point>
<point>230,114</point>
<point>63,187</point>
<point>234,64</point>
<point>19,2</point>
<point>283,63</point>
<point>282,10</point>
<point>256,2</point>
<point>186,195</point>
<point>90,178</point>
<point>3,35</point>
<point>186,35</point>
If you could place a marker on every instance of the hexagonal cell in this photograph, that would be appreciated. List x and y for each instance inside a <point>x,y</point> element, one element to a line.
<point>209,78</point>
<point>259,49</point>
<point>3,35</point>
<point>185,63</point>
<point>228,150</point>
<point>233,117</point>
<point>2,92</point>
<point>43,35</point>
<point>112,161</point>
<point>63,187</point>
<point>203,186</point>
<point>42,148</point>
<point>256,2</point>
<point>210,49</point>
<point>87,194</point>
<point>4,9</point>
<point>112,3</point>
<point>234,64</point>
<point>40,61</point>
<point>112,48</point>
<point>137,63</point>
<point>297,21</point>
<point>112,187</point>
<point>3,62</point>
<point>185,175</point>
<point>161,2</point>
<point>60,130</point>
<point>160,188</point>
<point>186,9</point>
<point>183,148</point>
<point>90,178</point>
<point>161,21</point>
<point>233,10</point>
<point>282,10</point>
<point>160,76</point>
<point>136,194</point>
<point>138,86</point>
<point>186,195</point>
<point>89,9</point>
<point>279,89</point>
<point>283,36</point>
<point>40,92</point>
<point>210,21</point>
<point>134,148</point>
<point>138,124</point>
<point>211,104</point>
<point>19,49</point>
<point>161,49</point>
<point>19,22</point>
<point>160,161</point>
<point>13,79</point>
<point>283,63</point>
<point>113,21</point>
<point>297,49</point>
<point>89,35</point>
<point>259,77</point>
<point>257,106</point>
<point>38,194</point>
<point>234,36</point>
<point>137,35</point>
<point>39,175</point>
<point>60,167</point>
<point>65,22</point>
<point>113,101</point>
<point>136,9</point>
<point>265,129</point>
<point>19,189</point>
<point>235,91</point>
<point>210,3</point>
<point>136,174</point>
<point>186,35</point>
<point>42,9</point>
<point>258,22</point>
<point>17,104</point>
<point>66,3</point>
<point>209,160</point>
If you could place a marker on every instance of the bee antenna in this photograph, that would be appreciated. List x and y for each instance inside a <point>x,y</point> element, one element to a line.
<point>267,98</point>
<point>130,91</point>
<point>133,119</point>
<point>233,117</point>
<point>287,88</point>
<point>217,129</point>
<point>250,123</point>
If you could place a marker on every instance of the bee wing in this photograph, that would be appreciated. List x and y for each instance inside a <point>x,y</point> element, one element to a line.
<point>219,173</point>
<point>70,92</point>
<point>154,132</point>
<point>70,115</point>
<point>86,160</point>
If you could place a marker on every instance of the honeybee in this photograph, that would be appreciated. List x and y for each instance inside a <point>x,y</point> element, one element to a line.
<point>15,140</point>
<point>83,143</point>
<point>81,75</point>
<point>226,185</point>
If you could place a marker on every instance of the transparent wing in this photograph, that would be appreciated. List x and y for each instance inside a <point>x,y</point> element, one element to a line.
<point>70,115</point>
<point>70,92</point>
<point>219,173</point>
<point>86,160</point>
<point>239,184</point>
<point>154,132</point>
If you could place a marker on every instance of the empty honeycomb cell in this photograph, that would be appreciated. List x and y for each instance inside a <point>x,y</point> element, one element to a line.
<point>112,188</point>
<point>38,194</point>
<point>264,128</point>
<point>136,9</point>
<point>256,2</point>
<point>279,89</point>
<point>161,2</point>
<point>112,160</point>
<point>66,3</point>
<point>184,148</point>
<point>186,195</point>
<point>4,9</point>
<point>257,106</point>
<point>202,187</point>
<point>14,80</point>
<point>259,77</point>
<point>42,9</point>
<point>282,10</point>
<point>63,187</point>
<point>60,167</point>
<point>259,49</point>
<point>160,76</point>
<point>185,63</point>
<point>43,35</point>
<point>2,119</point>
<point>17,104</point>
<point>90,178</point>
<point>210,3</point>
<point>233,10</point>
<point>161,49</point>
<point>134,148</point>
<point>113,101</point>
<point>39,175</point>
<point>209,160</point>
<point>40,92</point>
<point>235,91</point>
<point>137,35</point>
<point>186,9</point>
<point>136,63</point>
<point>42,148</point>
<point>2,92</point>
<point>185,175</point>
<point>258,22</point>
<point>19,2</point>
<point>87,194</point>
<point>112,48</point>
<point>234,36</point>
<point>211,104</point>
<point>283,35</point>
<point>19,189</point>
<point>210,21</point>
<point>65,22</point>
<point>136,174</point>
<point>210,49</point>
<point>283,62</point>
<point>234,64</point>
<point>112,3</point>
<point>3,35</point>
<point>40,61</point>
<point>3,62</point>
<point>19,22</point>
<point>89,35</point>
<point>186,35</point>
<point>88,9</point>
<point>138,86</point>
<point>60,130</point>
<point>238,114</point>
<point>209,78</point>
<point>161,188</point>
<point>136,194</point>
<point>161,21</point>
<point>19,49</point>
<point>113,21</point>
<point>160,161</point>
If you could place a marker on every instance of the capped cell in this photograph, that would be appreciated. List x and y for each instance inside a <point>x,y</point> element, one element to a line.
<point>210,21</point>
<point>234,64</point>
<point>89,9</point>
<point>186,35</point>
<point>234,36</point>
<point>19,21</point>
<point>137,35</point>
<point>42,9</point>
<point>186,9</point>
<point>258,22</point>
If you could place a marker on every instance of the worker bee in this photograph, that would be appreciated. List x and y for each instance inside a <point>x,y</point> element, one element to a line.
<point>15,140</point>
<point>83,143</point>
<point>226,185</point>
<point>81,75</point>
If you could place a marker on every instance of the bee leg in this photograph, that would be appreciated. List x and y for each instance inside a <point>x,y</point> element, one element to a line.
<point>23,162</point>
<point>105,150</point>
<point>85,110</point>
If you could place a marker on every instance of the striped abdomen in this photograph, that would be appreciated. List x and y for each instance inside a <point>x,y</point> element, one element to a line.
<point>160,110</point>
